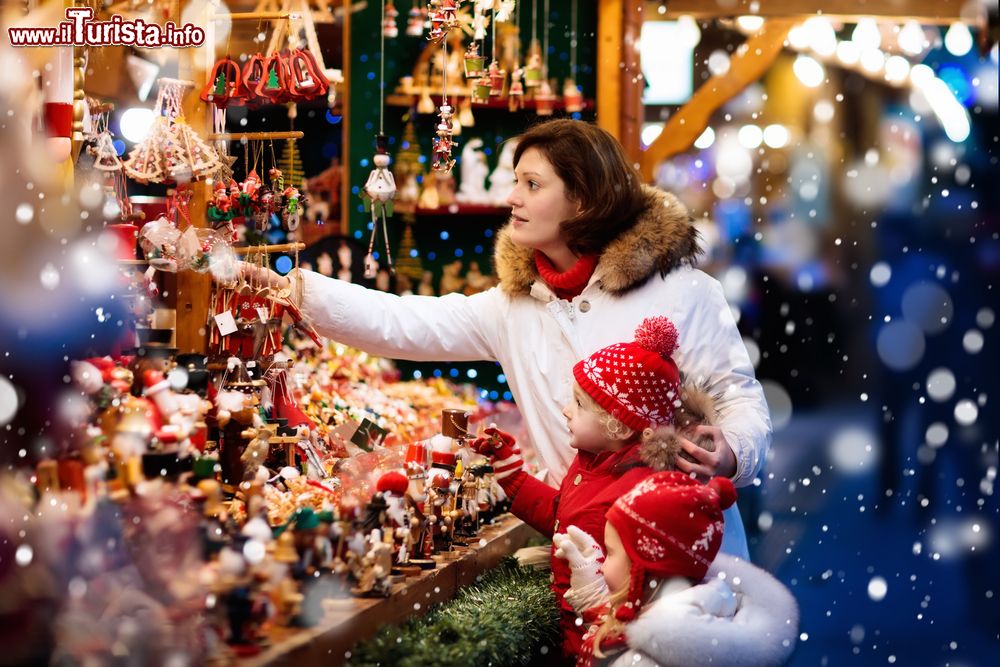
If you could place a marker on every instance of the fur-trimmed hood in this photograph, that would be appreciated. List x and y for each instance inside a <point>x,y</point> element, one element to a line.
<point>659,447</point>
<point>662,238</point>
<point>738,615</point>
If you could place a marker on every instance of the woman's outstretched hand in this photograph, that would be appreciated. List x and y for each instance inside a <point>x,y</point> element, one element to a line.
<point>255,274</point>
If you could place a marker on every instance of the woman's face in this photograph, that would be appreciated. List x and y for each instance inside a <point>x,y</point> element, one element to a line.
<point>617,566</point>
<point>539,204</point>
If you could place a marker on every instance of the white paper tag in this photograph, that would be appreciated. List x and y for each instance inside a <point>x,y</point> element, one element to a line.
<point>262,314</point>
<point>226,323</point>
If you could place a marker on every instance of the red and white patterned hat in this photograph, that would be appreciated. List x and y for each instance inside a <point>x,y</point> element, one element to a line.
<point>637,383</point>
<point>670,525</point>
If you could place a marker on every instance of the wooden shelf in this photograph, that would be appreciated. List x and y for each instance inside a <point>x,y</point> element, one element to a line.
<point>494,103</point>
<point>351,620</point>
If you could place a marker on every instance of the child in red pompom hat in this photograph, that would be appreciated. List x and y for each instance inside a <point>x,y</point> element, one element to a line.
<point>664,603</point>
<point>625,396</point>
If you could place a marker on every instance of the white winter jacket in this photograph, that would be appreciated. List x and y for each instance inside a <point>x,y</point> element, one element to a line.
<point>537,337</point>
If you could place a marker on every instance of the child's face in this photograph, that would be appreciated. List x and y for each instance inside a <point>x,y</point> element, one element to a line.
<point>617,566</point>
<point>586,429</point>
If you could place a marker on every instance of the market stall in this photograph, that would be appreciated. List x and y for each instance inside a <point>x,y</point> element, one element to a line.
<point>214,482</point>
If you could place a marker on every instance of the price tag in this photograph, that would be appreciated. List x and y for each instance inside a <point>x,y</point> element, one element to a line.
<point>262,314</point>
<point>226,323</point>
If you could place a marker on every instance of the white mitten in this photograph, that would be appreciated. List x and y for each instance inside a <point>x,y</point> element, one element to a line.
<point>587,587</point>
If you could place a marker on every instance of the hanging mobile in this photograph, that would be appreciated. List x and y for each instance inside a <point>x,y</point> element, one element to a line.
<point>380,188</point>
<point>379,192</point>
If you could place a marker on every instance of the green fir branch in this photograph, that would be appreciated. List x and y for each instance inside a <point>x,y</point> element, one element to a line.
<point>508,617</point>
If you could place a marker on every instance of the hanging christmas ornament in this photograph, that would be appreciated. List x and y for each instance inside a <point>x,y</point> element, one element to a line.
<point>481,90</point>
<point>544,99</point>
<point>497,79</point>
<point>515,96</point>
<point>415,21</point>
<point>474,61</point>
<point>105,154</point>
<point>389,28</point>
<point>533,64</point>
<point>572,97</point>
<point>380,189</point>
<point>171,150</point>
<point>224,86</point>
<point>444,141</point>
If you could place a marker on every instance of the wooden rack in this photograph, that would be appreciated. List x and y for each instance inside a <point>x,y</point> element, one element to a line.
<point>256,136</point>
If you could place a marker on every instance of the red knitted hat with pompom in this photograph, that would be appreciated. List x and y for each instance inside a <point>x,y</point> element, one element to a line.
<point>638,382</point>
<point>670,525</point>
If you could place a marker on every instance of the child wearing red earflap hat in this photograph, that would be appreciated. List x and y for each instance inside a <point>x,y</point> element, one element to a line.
<point>672,599</point>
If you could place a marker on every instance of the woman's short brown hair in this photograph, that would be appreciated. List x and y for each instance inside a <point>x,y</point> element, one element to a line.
<point>597,174</point>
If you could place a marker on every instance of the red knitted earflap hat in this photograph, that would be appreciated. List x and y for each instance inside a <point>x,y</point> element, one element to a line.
<point>670,525</point>
<point>637,382</point>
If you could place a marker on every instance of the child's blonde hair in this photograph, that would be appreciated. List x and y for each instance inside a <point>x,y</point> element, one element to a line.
<point>610,624</point>
<point>614,428</point>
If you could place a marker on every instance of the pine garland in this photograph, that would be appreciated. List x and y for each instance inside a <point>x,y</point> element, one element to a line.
<point>508,617</point>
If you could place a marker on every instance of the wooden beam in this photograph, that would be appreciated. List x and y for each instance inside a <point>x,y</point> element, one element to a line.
<point>686,125</point>
<point>609,58</point>
<point>924,11</point>
<point>345,104</point>
<point>193,291</point>
<point>632,112</point>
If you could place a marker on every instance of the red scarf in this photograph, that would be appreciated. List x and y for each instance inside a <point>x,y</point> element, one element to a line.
<point>570,283</point>
<point>611,643</point>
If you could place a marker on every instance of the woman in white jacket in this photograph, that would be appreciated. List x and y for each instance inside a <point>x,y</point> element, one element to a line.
<point>588,254</point>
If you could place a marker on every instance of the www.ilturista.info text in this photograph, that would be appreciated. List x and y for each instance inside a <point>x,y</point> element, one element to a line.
<point>80,29</point>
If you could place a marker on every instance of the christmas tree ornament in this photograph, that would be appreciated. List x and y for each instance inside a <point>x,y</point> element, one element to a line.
<point>389,28</point>
<point>474,61</point>
<point>306,80</point>
<point>292,208</point>
<point>253,74</point>
<point>443,142</point>
<point>105,154</point>
<point>533,73</point>
<point>171,150</point>
<point>415,21</point>
<point>380,188</point>
<point>481,90</point>
<point>544,99</point>
<point>379,191</point>
<point>224,86</point>
<point>515,95</point>
<point>572,97</point>
<point>497,79</point>
<point>273,85</point>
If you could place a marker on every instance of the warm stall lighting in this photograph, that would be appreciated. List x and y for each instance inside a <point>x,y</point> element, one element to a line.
<point>848,53</point>
<point>872,60</point>
<point>823,111</point>
<point>776,136</point>
<point>911,38</point>
<point>809,72</point>
<point>949,111</point>
<point>867,35</point>
<point>820,36</point>
<point>706,139</point>
<point>750,24</point>
<point>958,39</point>
<point>750,136</point>
<point>897,69</point>
<point>135,123</point>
